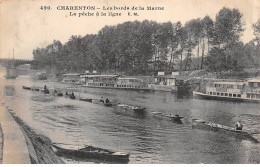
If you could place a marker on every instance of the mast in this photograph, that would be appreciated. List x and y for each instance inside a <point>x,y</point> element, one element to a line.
<point>12,61</point>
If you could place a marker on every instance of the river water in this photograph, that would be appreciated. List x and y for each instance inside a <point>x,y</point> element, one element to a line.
<point>149,140</point>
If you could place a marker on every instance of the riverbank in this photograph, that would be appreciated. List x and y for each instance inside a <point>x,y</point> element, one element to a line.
<point>1,144</point>
<point>39,146</point>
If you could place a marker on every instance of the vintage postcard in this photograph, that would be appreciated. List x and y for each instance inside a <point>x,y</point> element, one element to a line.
<point>129,81</point>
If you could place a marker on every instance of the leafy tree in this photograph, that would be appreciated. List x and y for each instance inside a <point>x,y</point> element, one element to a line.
<point>228,27</point>
<point>207,32</point>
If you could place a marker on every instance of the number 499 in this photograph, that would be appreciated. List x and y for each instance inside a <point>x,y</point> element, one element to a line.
<point>45,8</point>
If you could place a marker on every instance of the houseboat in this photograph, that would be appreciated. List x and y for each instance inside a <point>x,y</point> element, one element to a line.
<point>130,83</point>
<point>99,81</point>
<point>237,91</point>
<point>113,81</point>
<point>164,83</point>
<point>71,78</point>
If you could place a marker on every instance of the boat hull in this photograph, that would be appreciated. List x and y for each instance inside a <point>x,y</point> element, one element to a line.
<point>223,98</point>
<point>86,100</point>
<point>26,88</point>
<point>122,88</point>
<point>222,129</point>
<point>165,88</point>
<point>127,110</point>
<point>162,116</point>
<point>96,153</point>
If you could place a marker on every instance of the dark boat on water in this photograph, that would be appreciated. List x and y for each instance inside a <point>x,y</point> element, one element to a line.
<point>26,88</point>
<point>58,94</point>
<point>108,104</point>
<point>175,118</point>
<point>45,91</point>
<point>102,102</point>
<point>97,101</point>
<point>86,100</point>
<point>35,89</point>
<point>31,88</point>
<point>133,111</point>
<point>201,124</point>
<point>126,107</point>
<point>92,152</point>
<point>71,96</point>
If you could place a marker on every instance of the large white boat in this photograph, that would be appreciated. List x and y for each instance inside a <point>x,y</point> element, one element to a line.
<point>99,81</point>
<point>237,91</point>
<point>130,83</point>
<point>113,81</point>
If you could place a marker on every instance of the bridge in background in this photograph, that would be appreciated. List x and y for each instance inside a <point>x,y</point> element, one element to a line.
<point>6,62</point>
<point>11,64</point>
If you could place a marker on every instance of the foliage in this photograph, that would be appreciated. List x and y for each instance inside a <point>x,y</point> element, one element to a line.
<point>146,47</point>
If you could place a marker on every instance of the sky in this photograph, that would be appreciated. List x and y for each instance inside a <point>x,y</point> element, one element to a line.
<point>24,26</point>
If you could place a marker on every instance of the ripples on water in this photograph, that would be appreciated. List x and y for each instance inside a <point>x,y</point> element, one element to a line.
<point>149,140</point>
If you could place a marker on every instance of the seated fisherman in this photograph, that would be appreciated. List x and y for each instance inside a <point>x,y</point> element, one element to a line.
<point>101,100</point>
<point>239,125</point>
<point>107,101</point>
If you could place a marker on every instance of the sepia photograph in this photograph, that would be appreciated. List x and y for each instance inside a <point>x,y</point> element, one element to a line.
<point>129,82</point>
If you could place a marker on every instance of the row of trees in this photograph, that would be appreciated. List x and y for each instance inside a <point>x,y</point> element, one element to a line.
<point>141,47</point>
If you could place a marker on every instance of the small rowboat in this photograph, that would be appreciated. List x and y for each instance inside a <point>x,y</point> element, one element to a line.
<point>174,118</point>
<point>58,94</point>
<point>45,91</point>
<point>92,152</point>
<point>201,124</point>
<point>35,89</point>
<point>26,88</point>
<point>86,99</point>
<point>96,101</point>
<point>71,96</point>
<point>108,104</point>
<point>136,109</point>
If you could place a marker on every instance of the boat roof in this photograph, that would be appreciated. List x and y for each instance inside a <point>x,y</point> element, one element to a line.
<point>71,74</point>
<point>99,76</point>
<point>229,83</point>
<point>166,76</point>
<point>156,112</point>
<point>119,153</point>
<point>254,80</point>
<point>129,78</point>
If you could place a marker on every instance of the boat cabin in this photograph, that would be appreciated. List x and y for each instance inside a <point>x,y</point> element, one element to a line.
<point>252,89</point>
<point>130,83</point>
<point>99,80</point>
<point>165,80</point>
<point>225,89</point>
<point>70,78</point>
